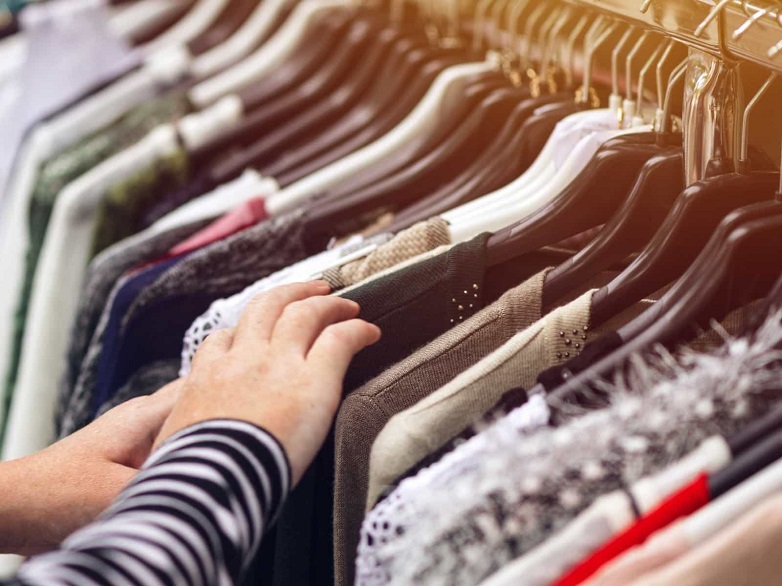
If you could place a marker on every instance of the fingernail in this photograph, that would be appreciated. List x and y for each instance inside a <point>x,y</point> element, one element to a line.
<point>322,285</point>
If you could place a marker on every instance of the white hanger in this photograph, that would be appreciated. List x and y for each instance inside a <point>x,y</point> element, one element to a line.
<point>132,20</point>
<point>197,20</point>
<point>266,59</point>
<point>435,105</point>
<point>241,42</point>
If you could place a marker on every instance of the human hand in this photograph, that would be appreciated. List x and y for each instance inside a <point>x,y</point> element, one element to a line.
<point>281,368</point>
<point>48,495</point>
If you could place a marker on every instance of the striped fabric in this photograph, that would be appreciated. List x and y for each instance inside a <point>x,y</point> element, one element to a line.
<point>195,514</point>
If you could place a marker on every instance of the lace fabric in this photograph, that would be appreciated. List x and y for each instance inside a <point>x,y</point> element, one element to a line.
<point>512,486</point>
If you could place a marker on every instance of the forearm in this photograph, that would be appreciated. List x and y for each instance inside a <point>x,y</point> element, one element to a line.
<point>194,514</point>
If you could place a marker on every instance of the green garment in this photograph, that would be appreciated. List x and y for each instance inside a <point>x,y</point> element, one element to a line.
<point>121,211</point>
<point>61,170</point>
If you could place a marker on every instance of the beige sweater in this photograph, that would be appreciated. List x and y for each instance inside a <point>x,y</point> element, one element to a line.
<point>423,428</point>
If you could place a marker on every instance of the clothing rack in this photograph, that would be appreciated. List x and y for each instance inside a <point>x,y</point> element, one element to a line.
<point>733,30</point>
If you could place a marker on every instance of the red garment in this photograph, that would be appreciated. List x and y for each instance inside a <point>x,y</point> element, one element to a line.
<point>247,214</point>
<point>689,499</point>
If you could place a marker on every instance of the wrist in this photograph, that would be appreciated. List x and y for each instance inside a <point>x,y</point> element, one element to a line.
<point>45,501</point>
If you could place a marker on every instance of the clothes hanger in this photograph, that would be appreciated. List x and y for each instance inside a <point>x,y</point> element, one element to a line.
<point>488,82</point>
<point>255,30</point>
<point>260,64</point>
<point>566,154</point>
<point>540,179</point>
<point>477,111</point>
<point>197,20</point>
<point>141,22</point>
<point>334,216</point>
<point>226,24</point>
<point>379,113</point>
<point>659,183</point>
<point>746,465</point>
<point>329,112</point>
<point>436,105</point>
<point>681,238</point>
<point>496,166</point>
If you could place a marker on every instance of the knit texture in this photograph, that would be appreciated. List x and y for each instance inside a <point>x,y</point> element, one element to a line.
<point>416,240</point>
<point>120,212</point>
<point>516,490</point>
<point>147,380</point>
<point>104,272</point>
<point>364,413</point>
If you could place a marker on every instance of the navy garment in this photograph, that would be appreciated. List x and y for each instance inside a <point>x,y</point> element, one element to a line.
<point>112,336</point>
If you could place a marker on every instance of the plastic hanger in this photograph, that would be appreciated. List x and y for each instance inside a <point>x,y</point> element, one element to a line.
<point>226,24</point>
<point>746,465</point>
<point>265,60</point>
<point>681,238</point>
<point>143,21</point>
<point>328,34</point>
<point>418,179</point>
<point>588,202</point>
<point>255,29</point>
<point>660,181</point>
<point>197,20</point>
<point>566,153</point>
<point>436,105</point>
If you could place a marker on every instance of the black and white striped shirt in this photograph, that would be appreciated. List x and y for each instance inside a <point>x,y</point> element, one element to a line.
<point>195,514</point>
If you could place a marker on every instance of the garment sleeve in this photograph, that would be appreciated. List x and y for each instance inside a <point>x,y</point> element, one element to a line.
<point>195,514</point>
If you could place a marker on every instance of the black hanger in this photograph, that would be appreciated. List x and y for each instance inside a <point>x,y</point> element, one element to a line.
<point>405,90</point>
<point>588,201</point>
<point>660,181</point>
<point>755,432</point>
<point>693,219</point>
<point>746,465</point>
<point>326,34</point>
<point>227,23</point>
<point>370,117</point>
<point>301,66</point>
<point>413,182</point>
<point>496,166</point>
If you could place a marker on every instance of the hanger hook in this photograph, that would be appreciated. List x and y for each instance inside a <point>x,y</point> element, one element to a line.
<point>714,13</point>
<point>676,76</point>
<point>751,20</point>
<point>537,14</point>
<point>590,53</point>
<point>615,59</point>
<point>645,6</point>
<point>481,12</point>
<point>744,152</point>
<point>548,54</point>
<point>570,48</point>
<point>629,64</point>
<point>644,70</point>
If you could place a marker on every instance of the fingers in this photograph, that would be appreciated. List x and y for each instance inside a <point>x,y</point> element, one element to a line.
<point>339,343</point>
<point>303,321</point>
<point>214,346</point>
<point>259,318</point>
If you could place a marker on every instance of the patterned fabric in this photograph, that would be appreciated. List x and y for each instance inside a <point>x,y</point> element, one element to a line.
<point>219,270</point>
<point>516,489</point>
<point>408,244</point>
<point>104,272</point>
<point>68,166</point>
<point>195,514</point>
<point>121,211</point>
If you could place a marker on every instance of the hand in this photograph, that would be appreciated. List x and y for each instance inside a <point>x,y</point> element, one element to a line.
<point>281,368</point>
<point>47,496</point>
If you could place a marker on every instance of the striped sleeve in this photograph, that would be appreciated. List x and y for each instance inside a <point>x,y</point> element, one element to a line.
<point>195,514</point>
